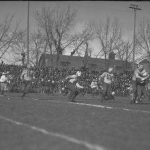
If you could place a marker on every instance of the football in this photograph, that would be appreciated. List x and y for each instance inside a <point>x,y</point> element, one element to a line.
<point>144,74</point>
<point>113,93</point>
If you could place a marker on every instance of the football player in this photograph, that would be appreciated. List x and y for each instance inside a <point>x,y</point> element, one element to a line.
<point>26,78</point>
<point>108,78</point>
<point>73,85</point>
<point>140,78</point>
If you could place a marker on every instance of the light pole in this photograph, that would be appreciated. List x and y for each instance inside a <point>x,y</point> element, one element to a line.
<point>28,34</point>
<point>135,8</point>
<point>37,51</point>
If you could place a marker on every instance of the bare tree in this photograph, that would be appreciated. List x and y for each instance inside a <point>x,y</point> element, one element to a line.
<point>109,35</point>
<point>38,43</point>
<point>124,52</point>
<point>80,40</point>
<point>143,37</point>
<point>7,35</point>
<point>56,24</point>
<point>19,46</point>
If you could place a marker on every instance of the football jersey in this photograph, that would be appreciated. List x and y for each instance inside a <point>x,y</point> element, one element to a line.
<point>139,73</point>
<point>143,73</point>
<point>73,78</point>
<point>26,75</point>
<point>3,78</point>
<point>107,77</point>
<point>94,84</point>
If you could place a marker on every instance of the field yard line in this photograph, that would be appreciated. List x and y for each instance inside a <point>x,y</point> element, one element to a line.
<point>109,107</point>
<point>61,136</point>
<point>98,106</point>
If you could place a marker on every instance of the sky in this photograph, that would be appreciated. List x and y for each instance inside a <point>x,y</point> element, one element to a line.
<point>86,11</point>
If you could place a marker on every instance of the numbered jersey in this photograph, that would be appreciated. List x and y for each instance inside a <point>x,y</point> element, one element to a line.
<point>108,77</point>
<point>72,78</point>
<point>26,75</point>
<point>94,84</point>
<point>3,78</point>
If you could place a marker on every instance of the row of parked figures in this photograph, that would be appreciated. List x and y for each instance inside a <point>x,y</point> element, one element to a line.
<point>72,85</point>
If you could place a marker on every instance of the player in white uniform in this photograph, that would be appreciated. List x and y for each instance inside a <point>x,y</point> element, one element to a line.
<point>94,87</point>
<point>26,77</point>
<point>140,78</point>
<point>108,78</point>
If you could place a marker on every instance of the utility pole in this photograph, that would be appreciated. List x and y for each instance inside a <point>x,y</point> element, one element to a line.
<point>134,8</point>
<point>28,35</point>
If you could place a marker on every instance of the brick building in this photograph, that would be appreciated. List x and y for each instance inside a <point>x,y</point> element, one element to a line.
<point>94,64</point>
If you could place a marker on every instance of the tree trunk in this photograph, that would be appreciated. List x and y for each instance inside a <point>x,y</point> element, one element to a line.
<point>37,56</point>
<point>59,53</point>
<point>105,61</point>
<point>57,59</point>
<point>51,54</point>
<point>45,54</point>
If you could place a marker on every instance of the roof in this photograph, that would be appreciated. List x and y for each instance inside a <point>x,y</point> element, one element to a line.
<point>77,61</point>
<point>144,59</point>
<point>76,58</point>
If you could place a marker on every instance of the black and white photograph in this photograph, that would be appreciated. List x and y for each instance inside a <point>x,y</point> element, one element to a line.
<point>74,75</point>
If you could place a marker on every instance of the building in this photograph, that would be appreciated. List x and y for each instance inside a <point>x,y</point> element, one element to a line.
<point>94,64</point>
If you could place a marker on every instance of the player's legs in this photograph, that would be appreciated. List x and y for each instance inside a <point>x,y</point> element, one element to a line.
<point>139,92</point>
<point>74,95</point>
<point>27,85</point>
<point>143,93</point>
<point>72,90</point>
<point>104,92</point>
<point>2,88</point>
<point>109,92</point>
<point>134,93</point>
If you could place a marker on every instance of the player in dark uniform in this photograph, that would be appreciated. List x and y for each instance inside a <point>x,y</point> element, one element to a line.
<point>73,85</point>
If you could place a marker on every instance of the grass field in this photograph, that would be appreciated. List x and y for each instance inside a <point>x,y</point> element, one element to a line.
<point>42,122</point>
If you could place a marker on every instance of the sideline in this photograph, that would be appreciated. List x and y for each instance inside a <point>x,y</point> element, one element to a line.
<point>97,106</point>
<point>61,136</point>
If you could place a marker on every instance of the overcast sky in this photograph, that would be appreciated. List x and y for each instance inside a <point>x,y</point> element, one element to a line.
<point>86,11</point>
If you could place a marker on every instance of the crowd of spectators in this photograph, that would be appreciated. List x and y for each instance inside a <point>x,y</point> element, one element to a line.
<point>122,82</point>
<point>49,80</point>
